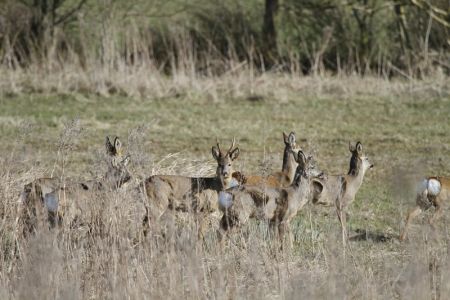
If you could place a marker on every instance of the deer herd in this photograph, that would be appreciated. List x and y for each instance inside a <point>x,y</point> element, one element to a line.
<point>275,199</point>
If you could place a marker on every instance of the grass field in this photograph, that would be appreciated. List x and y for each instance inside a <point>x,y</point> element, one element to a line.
<point>404,128</point>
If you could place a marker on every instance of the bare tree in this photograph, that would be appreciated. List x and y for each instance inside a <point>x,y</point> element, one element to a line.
<point>49,13</point>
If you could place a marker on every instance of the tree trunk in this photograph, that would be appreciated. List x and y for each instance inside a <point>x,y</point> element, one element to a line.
<point>269,32</point>
<point>402,28</point>
<point>39,9</point>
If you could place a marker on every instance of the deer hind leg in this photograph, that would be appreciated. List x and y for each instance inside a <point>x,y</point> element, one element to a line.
<point>341,214</point>
<point>168,222</point>
<point>437,214</point>
<point>417,210</point>
<point>26,211</point>
<point>340,209</point>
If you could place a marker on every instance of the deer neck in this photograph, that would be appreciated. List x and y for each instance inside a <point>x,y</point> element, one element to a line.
<point>355,166</point>
<point>300,179</point>
<point>289,164</point>
<point>115,179</point>
<point>299,191</point>
<point>228,182</point>
<point>354,182</point>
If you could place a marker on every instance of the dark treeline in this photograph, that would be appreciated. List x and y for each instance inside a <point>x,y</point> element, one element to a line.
<point>409,37</point>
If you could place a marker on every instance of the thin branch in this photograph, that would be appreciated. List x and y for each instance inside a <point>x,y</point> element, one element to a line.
<point>70,13</point>
<point>162,15</point>
<point>437,14</point>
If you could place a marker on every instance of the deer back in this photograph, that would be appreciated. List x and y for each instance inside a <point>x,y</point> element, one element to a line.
<point>285,177</point>
<point>325,190</point>
<point>183,193</point>
<point>341,189</point>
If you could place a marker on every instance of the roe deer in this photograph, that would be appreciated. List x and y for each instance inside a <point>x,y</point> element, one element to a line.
<point>433,191</point>
<point>277,205</point>
<point>286,176</point>
<point>182,193</point>
<point>340,190</point>
<point>59,198</point>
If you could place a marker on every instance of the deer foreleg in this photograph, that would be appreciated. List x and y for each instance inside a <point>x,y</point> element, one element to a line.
<point>343,221</point>
<point>411,215</point>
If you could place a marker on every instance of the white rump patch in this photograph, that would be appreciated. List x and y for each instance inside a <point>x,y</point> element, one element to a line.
<point>430,187</point>
<point>422,186</point>
<point>225,200</point>
<point>434,187</point>
<point>51,202</point>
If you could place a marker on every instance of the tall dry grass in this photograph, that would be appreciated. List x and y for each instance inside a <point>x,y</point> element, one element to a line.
<point>108,257</point>
<point>243,82</point>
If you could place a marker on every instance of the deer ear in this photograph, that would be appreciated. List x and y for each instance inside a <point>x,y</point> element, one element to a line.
<point>234,154</point>
<point>301,156</point>
<point>351,147</point>
<point>317,187</point>
<point>118,146</point>
<point>215,153</point>
<point>285,138</point>
<point>291,138</point>
<point>110,150</point>
<point>359,147</point>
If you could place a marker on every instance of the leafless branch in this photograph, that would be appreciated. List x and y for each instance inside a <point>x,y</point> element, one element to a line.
<point>70,13</point>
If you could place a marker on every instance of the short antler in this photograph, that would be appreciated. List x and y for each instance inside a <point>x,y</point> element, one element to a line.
<point>232,145</point>
<point>218,146</point>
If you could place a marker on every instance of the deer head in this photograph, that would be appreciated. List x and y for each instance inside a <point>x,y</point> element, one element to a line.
<point>289,140</point>
<point>289,164</point>
<point>358,161</point>
<point>306,166</point>
<point>290,145</point>
<point>225,161</point>
<point>117,173</point>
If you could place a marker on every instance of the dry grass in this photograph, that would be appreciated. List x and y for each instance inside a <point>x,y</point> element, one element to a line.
<point>403,125</point>
<point>241,81</point>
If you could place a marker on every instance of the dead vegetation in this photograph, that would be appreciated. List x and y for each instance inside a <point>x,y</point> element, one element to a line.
<point>401,123</point>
